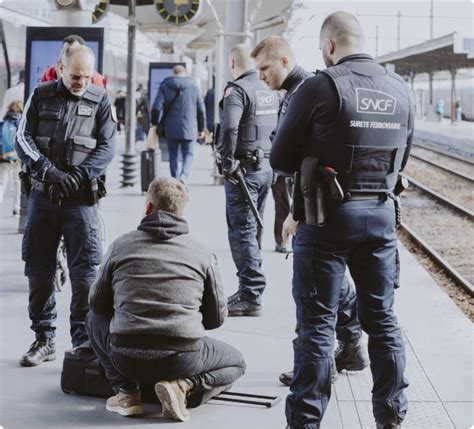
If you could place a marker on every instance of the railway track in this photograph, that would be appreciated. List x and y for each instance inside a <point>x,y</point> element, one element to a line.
<point>442,228</point>
<point>418,144</point>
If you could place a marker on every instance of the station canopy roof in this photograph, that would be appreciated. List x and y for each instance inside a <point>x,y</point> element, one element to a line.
<point>450,52</point>
<point>200,32</point>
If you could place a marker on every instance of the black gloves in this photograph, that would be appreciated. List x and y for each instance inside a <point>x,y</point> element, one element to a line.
<point>230,174</point>
<point>64,183</point>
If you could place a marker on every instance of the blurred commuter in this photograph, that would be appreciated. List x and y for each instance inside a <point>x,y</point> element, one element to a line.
<point>66,140</point>
<point>277,67</point>
<point>181,108</point>
<point>15,93</point>
<point>439,109</point>
<point>9,163</point>
<point>143,114</point>
<point>120,105</point>
<point>458,109</point>
<point>55,71</point>
<point>366,140</point>
<point>209,101</point>
<point>157,292</point>
<point>248,114</point>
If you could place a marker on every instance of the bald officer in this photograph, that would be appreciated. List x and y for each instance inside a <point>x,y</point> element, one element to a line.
<point>356,119</point>
<point>248,114</point>
<point>66,140</point>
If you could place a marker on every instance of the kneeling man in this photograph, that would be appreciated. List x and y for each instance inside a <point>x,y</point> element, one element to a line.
<point>157,290</point>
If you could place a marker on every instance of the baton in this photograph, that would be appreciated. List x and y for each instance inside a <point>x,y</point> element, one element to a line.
<point>240,178</point>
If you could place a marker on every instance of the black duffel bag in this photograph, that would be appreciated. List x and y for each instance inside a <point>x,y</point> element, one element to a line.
<point>83,374</point>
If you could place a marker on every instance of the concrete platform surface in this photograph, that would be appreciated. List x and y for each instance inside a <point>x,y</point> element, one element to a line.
<point>439,338</point>
<point>455,137</point>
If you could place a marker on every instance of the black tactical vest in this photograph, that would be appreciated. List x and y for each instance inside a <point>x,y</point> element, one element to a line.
<point>259,118</point>
<point>367,140</point>
<point>66,123</point>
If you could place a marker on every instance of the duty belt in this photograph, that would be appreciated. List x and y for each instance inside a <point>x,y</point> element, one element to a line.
<point>39,185</point>
<point>360,196</point>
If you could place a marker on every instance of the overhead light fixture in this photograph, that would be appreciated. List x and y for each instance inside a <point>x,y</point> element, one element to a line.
<point>63,4</point>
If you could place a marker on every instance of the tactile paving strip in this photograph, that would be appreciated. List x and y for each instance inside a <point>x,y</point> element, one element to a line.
<point>421,415</point>
<point>425,409</point>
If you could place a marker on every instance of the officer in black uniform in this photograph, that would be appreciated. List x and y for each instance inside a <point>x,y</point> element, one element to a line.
<point>355,118</point>
<point>277,67</point>
<point>248,114</point>
<point>66,139</point>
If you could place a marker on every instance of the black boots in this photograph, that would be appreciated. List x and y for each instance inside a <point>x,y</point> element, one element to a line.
<point>351,356</point>
<point>40,351</point>
<point>287,377</point>
<point>239,307</point>
<point>388,425</point>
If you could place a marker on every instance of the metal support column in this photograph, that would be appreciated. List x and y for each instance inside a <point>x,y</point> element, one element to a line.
<point>129,157</point>
<point>5,55</point>
<point>453,72</point>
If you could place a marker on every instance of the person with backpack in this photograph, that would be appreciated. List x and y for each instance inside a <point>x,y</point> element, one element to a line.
<point>9,164</point>
<point>180,108</point>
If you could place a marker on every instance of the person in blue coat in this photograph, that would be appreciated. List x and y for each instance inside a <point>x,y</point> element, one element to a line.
<point>181,108</point>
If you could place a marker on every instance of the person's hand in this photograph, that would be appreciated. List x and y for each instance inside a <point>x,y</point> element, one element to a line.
<point>200,135</point>
<point>289,227</point>
<point>64,183</point>
<point>230,173</point>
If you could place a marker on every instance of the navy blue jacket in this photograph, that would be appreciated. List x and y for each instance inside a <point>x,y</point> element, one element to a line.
<point>186,116</point>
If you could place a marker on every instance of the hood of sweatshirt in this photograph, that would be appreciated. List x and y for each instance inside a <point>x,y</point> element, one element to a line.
<point>164,225</point>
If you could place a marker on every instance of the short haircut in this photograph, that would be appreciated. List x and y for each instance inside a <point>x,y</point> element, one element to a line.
<point>168,194</point>
<point>343,28</point>
<point>16,106</point>
<point>74,38</point>
<point>179,70</point>
<point>273,47</point>
<point>83,50</point>
<point>241,55</point>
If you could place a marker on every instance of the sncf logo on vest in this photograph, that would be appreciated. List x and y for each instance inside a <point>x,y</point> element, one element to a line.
<point>265,98</point>
<point>375,102</point>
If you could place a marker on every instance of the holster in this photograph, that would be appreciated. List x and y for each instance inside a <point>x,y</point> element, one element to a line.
<point>311,188</point>
<point>258,156</point>
<point>297,208</point>
<point>25,180</point>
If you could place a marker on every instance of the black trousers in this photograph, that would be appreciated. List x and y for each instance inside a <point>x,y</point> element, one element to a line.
<point>212,369</point>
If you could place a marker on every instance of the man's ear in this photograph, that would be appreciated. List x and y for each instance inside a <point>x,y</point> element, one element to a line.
<point>148,208</point>
<point>331,46</point>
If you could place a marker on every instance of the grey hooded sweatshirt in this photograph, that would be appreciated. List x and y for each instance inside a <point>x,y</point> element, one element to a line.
<point>161,287</point>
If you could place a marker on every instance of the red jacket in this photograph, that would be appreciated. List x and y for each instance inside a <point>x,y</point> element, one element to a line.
<point>50,74</point>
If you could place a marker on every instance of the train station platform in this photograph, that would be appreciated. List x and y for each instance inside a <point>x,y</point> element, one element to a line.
<point>454,137</point>
<point>438,337</point>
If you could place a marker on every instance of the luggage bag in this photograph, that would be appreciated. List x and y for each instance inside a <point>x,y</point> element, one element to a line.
<point>149,165</point>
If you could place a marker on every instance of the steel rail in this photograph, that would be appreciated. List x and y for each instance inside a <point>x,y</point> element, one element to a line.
<point>442,167</point>
<point>451,271</point>
<point>446,201</point>
<point>443,152</point>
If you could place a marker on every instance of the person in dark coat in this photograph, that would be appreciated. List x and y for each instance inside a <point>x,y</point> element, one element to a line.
<point>120,106</point>
<point>180,105</point>
<point>209,101</point>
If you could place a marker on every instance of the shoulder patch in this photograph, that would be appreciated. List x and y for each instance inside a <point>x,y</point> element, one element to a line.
<point>228,91</point>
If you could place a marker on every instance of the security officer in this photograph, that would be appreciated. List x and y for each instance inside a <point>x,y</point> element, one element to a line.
<point>66,139</point>
<point>277,67</point>
<point>248,113</point>
<point>355,118</point>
